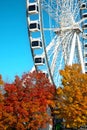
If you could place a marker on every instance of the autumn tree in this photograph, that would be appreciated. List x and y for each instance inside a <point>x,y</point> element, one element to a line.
<point>71,98</point>
<point>1,110</point>
<point>41,92</point>
<point>1,80</point>
<point>26,102</point>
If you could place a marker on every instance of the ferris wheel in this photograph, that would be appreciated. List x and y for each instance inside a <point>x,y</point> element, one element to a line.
<point>58,35</point>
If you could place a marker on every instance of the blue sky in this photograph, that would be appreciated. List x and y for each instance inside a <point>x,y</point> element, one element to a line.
<point>15,54</point>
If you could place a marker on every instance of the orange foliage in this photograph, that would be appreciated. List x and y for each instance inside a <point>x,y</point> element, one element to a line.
<point>72,97</point>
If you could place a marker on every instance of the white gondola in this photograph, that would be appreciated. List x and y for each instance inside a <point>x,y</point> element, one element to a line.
<point>86,55</point>
<point>83,6</point>
<point>36,43</point>
<point>33,8</point>
<point>39,60</point>
<point>84,35</point>
<point>84,26</point>
<point>86,64</point>
<point>84,15</point>
<point>85,45</point>
<point>34,26</point>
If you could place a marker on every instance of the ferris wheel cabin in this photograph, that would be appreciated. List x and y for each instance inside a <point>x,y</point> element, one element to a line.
<point>83,6</point>
<point>33,8</point>
<point>34,26</point>
<point>84,26</point>
<point>86,45</point>
<point>84,15</point>
<point>84,35</point>
<point>39,60</point>
<point>86,64</point>
<point>36,43</point>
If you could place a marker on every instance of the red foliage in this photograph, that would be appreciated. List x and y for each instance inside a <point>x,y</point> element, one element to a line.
<point>26,102</point>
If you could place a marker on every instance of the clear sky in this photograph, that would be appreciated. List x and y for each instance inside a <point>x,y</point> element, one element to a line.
<point>15,54</point>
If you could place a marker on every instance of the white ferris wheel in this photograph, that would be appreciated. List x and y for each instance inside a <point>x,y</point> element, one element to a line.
<point>58,35</point>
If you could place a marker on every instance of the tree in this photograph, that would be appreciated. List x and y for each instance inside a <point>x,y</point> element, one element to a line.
<point>41,92</point>
<point>1,110</point>
<point>71,99</point>
<point>26,102</point>
<point>1,81</point>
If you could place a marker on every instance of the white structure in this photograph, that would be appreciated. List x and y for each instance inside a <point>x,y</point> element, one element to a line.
<point>61,29</point>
